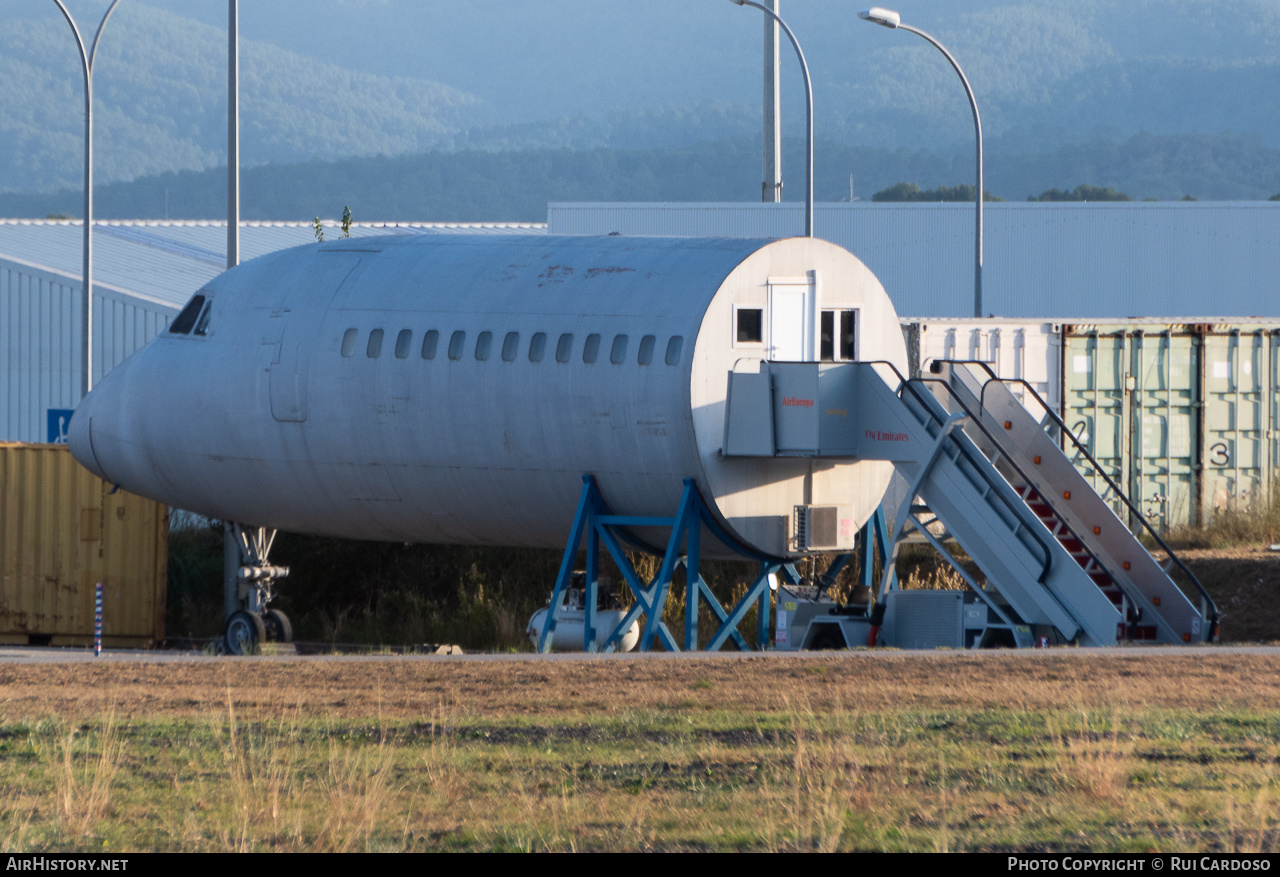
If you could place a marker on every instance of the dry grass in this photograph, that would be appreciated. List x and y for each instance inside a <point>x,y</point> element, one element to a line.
<point>1057,751</point>
<point>87,765</point>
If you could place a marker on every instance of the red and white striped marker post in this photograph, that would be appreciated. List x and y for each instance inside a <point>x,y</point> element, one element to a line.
<point>97,621</point>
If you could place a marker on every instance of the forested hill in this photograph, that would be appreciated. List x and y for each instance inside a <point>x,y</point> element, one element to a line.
<point>160,101</point>
<point>331,79</point>
<point>516,185</point>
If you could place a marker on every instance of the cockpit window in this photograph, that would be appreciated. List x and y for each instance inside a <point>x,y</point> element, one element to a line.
<point>202,324</point>
<point>183,323</point>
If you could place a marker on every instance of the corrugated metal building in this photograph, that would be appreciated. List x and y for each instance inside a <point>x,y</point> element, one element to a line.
<point>143,273</point>
<point>1080,261</point>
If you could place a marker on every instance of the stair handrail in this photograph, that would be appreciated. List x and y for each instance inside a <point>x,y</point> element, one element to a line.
<point>977,421</point>
<point>1018,508</point>
<point>1206,600</point>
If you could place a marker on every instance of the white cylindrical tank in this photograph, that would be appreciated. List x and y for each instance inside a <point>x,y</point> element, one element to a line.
<point>456,389</point>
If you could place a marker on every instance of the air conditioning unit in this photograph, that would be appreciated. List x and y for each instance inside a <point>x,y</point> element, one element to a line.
<point>816,527</point>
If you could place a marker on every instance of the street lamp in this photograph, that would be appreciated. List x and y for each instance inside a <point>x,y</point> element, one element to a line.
<point>86,294</point>
<point>890,19</point>
<point>808,90</point>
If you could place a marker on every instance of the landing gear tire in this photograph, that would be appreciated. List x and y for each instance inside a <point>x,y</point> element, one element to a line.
<point>279,628</point>
<point>244,632</point>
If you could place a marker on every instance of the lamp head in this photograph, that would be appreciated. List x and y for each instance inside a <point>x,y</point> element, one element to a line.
<point>879,15</point>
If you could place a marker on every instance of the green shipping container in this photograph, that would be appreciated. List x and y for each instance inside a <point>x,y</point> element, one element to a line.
<point>1182,416</point>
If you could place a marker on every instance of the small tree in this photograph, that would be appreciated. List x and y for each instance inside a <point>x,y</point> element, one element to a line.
<point>1082,192</point>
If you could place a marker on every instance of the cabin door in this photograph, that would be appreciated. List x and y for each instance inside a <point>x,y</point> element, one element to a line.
<point>791,319</point>
<point>294,330</point>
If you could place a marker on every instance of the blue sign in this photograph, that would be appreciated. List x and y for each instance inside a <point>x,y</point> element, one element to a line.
<point>59,423</point>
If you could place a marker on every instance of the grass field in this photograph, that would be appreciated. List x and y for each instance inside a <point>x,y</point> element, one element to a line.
<point>1056,750</point>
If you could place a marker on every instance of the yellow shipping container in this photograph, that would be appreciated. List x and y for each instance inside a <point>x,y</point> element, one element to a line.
<point>63,530</point>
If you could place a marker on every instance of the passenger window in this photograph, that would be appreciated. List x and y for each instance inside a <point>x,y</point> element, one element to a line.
<point>483,342</point>
<point>202,324</point>
<point>374,348</point>
<point>510,346</point>
<point>182,323</point>
<point>537,346</point>
<point>848,346</point>
<point>619,352</point>
<point>646,350</point>
<point>564,347</point>
<point>349,342</point>
<point>591,348</point>
<point>403,342</point>
<point>430,341</point>
<point>456,342</point>
<point>836,336</point>
<point>674,346</point>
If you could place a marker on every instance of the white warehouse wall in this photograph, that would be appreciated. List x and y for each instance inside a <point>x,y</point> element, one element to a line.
<point>40,334</point>
<point>1088,261</point>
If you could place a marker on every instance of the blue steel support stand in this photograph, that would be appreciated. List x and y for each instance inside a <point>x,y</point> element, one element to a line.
<point>875,536</point>
<point>597,524</point>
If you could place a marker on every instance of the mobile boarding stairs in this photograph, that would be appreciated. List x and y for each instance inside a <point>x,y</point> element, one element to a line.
<point>1059,564</point>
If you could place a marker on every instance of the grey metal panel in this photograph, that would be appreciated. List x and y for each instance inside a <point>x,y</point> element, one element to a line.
<point>1051,260</point>
<point>924,619</point>
<point>748,424</point>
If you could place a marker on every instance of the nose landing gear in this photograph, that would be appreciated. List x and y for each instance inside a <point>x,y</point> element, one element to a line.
<point>247,628</point>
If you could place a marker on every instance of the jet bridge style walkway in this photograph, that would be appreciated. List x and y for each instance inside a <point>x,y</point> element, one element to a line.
<point>1059,565</point>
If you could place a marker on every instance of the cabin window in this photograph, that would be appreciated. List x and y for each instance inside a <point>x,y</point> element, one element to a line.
<point>537,346</point>
<point>374,348</point>
<point>618,354</point>
<point>430,342</point>
<point>750,325</point>
<point>457,341</point>
<point>646,350</point>
<point>564,347</point>
<point>591,349</point>
<point>510,346</point>
<point>836,333</point>
<point>403,342</point>
<point>182,323</point>
<point>349,342</point>
<point>674,346</point>
<point>202,324</point>
<point>484,341</point>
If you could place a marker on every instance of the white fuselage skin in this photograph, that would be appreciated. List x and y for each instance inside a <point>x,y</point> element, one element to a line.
<point>317,399</point>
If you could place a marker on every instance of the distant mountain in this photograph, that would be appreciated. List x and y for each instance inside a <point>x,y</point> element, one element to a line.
<point>160,102</point>
<point>474,185</point>
<point>333,78</point>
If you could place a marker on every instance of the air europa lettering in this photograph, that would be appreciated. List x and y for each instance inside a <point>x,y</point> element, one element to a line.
<point>797,402</point>
<point>876,435</point>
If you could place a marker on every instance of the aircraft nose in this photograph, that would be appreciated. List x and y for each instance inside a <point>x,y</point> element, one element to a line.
<point>92,408</point>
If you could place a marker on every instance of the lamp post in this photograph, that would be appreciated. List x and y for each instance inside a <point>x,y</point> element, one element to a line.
<point>808,90</point>
<point>890,19</point>
<point>86,295</point>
